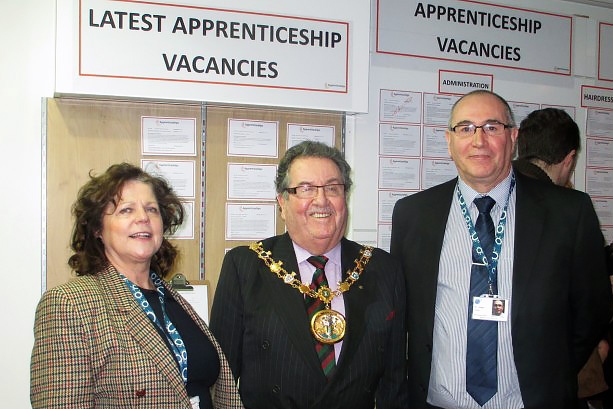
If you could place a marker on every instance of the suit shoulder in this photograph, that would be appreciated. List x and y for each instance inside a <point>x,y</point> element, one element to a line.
<point>76,287</point>
<point>434,202</point>
<point>238,251</point>
<point>82,293</point>
<point>266,244</point>
<point>559,194</point>
<point>379,256</point>
<point>429,195</point>
<point>384,258</point>
<point>242,252</point>
<point>383,255</point>
<point>385,271</point>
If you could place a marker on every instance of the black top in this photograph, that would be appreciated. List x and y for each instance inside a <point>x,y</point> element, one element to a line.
<point>202,358</point>
<point>531,170</point>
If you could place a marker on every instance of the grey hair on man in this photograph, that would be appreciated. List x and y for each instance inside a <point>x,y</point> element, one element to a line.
<point>509,111</point>
<point>310,149</point>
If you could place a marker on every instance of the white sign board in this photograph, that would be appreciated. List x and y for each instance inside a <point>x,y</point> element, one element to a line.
<point>186,51</point>
<point>605,52</point>
<point>457,82</point>
<point>596,97</point>
<point>475,32</point>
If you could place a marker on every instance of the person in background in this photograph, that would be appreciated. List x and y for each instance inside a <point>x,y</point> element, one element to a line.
<point>309,319</point>
<point>118,336</point>
<point>548,143</point>
<point>493,232</point>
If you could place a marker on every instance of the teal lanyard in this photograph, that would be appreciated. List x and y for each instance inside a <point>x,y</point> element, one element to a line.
<point>492,265</point>
<point>172,335</point>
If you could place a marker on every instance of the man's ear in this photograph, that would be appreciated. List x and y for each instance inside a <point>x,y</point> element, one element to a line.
<point>281,203</point>
<point>514,135</point>
<point>570,158</point>
<point>448,138</point>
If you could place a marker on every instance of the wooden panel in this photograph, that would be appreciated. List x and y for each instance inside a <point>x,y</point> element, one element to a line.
<point>86,135</point>
<point>90,135</point>
<point>216,170</point>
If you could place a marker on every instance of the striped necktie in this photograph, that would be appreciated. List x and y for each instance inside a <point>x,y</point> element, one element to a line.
<point>325,352</point>
<point>482,335</point>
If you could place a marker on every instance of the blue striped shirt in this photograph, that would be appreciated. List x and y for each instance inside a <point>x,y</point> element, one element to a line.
<point>447,388</point>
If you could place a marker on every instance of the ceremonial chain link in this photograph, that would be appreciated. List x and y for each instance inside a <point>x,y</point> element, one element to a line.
<point>324,293</point>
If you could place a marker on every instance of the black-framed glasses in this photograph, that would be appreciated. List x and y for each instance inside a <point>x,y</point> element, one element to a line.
<point>310,191</point>
<point>491,128</point>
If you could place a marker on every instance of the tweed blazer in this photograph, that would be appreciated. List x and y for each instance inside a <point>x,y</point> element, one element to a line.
<point>95,347</point>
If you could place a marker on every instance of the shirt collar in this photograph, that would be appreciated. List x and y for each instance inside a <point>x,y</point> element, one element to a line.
<point>499,193</point>
<point>333,255</point>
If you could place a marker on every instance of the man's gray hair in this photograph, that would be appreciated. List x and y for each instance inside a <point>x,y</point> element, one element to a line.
<point>310,149</point>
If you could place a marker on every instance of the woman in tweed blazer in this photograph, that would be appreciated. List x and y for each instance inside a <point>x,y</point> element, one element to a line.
<point>117,336</point>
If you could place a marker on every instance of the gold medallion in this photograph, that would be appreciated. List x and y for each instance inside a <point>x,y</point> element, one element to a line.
<point>328,326</point>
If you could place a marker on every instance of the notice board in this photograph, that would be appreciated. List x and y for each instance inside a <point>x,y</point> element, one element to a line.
<point>85,135</point>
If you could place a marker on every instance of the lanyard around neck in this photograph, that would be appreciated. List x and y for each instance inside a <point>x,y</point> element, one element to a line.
<point>172,335</point>
<point>492,265</point>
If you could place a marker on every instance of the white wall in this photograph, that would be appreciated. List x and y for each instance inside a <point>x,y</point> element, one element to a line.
<point>27,30</point>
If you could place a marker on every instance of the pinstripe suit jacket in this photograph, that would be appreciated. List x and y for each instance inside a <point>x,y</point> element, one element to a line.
<point>95,347</point>
<point>561,292</point>
<point>262,326</point>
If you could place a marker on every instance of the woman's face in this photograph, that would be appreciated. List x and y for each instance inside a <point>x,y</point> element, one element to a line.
<point>132,231</point>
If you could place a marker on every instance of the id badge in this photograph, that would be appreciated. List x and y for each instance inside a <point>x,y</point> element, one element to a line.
<point>490,308</point>
<point>195,401</point>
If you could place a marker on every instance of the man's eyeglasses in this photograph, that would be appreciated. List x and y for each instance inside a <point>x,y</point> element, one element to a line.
<point>492,128</point>
<point>310,191</point>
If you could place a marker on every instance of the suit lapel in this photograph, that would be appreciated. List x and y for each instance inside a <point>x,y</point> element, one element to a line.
<point>289,302</point>
<point>529,219</point>
<point>355,301</point>
<point>130,316</point>
<point>426,247</point>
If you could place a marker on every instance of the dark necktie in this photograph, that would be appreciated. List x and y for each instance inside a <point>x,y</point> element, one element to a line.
<point>314,305</point>
<point>482,335</point>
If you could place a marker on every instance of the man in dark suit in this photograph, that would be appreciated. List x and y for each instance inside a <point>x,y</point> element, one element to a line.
<point>543,258</point>
<point>548,143</point>
<point>309,319</point>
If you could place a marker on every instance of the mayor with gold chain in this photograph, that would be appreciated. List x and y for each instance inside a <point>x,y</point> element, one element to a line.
<point>310,319</point>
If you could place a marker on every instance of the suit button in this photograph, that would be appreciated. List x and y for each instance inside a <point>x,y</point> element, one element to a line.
<point>381,348</point>
<point>265,344</point>
<point>276,389</point>
<point>141,392</point>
